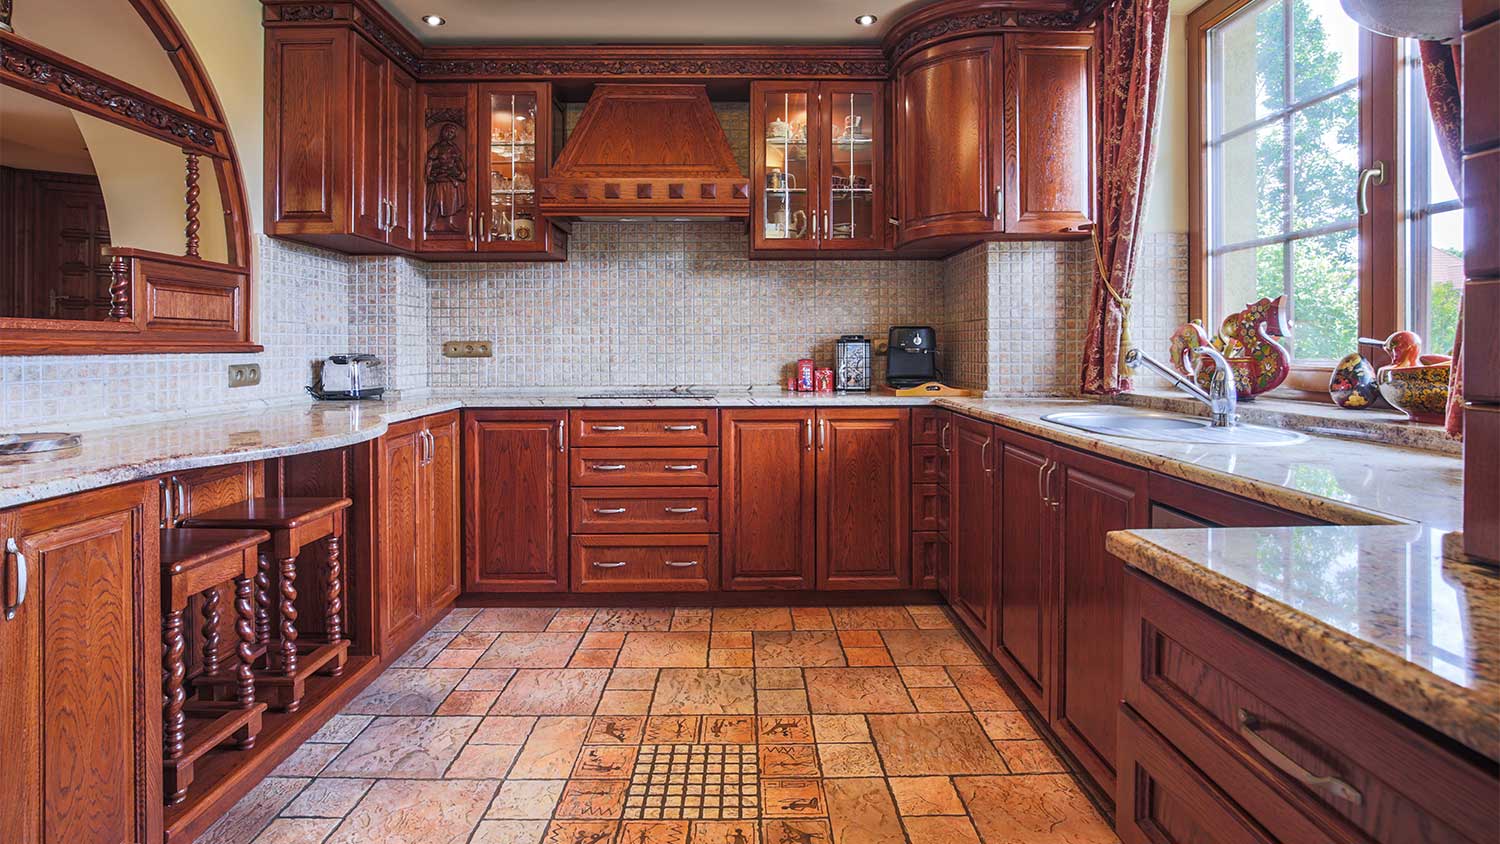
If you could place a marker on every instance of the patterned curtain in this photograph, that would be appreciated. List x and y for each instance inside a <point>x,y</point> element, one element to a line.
<point>1131,35</point>
<point>1441,66</point>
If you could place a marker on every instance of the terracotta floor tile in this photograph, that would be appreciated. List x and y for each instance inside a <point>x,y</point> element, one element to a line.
<point>327,797</point>
<point>416,812</point>
<point>783,649</point>
<point>841,729</point>
<point>551,749</point>
<point>861,812</point>
<point>616,730</point>
<point>731,658</point>
<point>592,658</point>
<point>934,743</point>
<point>508,619</point>
<point>467,703</point>
<point>632,679</point>
<point>424,649</point>
<point>664,650</point>
<point>692,619</point>
<point>704,691</point>
<point>406,691</point>
<point>864,657</point>
<point>861,639</point>
<point>483,762</point>
<point>622,702</point>
<point>472,641</point>
<point>732,639</point>
<point>1030,757</point>
<point>454,658</point>
<point>297,831</point>
<point>503,729</point>
<point>509,832</point>
<point>752,618</point>
<point>457,618</point>
<point>530,650</point>
<point>930,618</point>
<point>929,647</point>
<point>778,678</point>
<point>926,796</point>
<point>246,818</point>
<point>581,832</point>
<point>846,690</point>
<point>941,830</point>
<point>725,832</point>
<point>793,798</point>
<point>938,700</point>
<point>1038,809</point>
<point>728,729</point>
<point>781,702</point>
<point>572,619</point>
<point>786,831</point>
<point>871,618</point>
<point>608,640</point>
<point>307,761</point>
<point>981,689</point>
<point>849,760</point>
<point>654,832</point>
<point>785,729</point>
<point>341,729</point>
<point>486,679</point>
<point>788,760</point>
<point>924,676</point>
<point>671,729</point>
<point>811,618</point>
<point>632,618</point>
<point>525,799</point>
<point>404,747</point>
<point>571,691</point>
<point>605,762</point>
<point>592,799</point>
<point>1006,726</point>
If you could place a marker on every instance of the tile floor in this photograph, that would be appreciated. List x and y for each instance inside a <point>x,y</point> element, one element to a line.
<point>775,725</point>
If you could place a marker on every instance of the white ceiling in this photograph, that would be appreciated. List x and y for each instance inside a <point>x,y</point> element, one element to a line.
<point>649,21</point>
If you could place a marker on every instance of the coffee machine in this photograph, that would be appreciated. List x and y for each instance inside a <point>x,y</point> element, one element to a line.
<point>912,356</point>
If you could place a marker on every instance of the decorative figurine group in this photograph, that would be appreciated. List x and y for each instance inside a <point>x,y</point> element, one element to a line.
<point>1413,383</point>
<point>1246,340</point>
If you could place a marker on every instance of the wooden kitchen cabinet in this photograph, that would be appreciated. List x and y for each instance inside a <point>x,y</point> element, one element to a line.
<point>973,523</point>
<point>82,656</point>
<point>515,484</point>
<point>863,511</point>
<point>769,491</point>
<point>1048,132</point>
<point>1024,618</point>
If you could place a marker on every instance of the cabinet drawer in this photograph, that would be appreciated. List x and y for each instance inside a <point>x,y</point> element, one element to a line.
<point>648,510</point>
<point>931,555</point>
<point>646,563</point>
<point>929,507</point>
<point>929,465</point>
<point>644,466</point>
<point>927,425</point>
<point>603,426</point>
<point>1308,758</point>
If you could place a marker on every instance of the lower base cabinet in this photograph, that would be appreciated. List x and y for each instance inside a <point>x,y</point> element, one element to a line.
<point>515,487</point>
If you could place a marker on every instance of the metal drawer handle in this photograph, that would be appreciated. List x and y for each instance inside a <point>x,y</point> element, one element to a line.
<point>608,467</point>
<point>680,427</point>
<point>683,467</point>
<point>609,565</point>
<point>609,427</point>
<point>681,564</point>
<point>22,575</point>
<point>609,511</point>
<point>682,509</point>
<point>1333,785</point>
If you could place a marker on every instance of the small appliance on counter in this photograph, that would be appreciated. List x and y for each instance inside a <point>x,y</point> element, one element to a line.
<point>349,378</point>
<point>851,366</point>
<point>912,357</point>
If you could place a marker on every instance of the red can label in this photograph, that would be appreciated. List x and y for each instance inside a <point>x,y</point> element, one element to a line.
<point>824,380</point>
<point>805,375</point>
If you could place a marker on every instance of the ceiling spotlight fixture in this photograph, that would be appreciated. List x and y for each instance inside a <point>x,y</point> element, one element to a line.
<point>866,20</point>
<point>434,20</point>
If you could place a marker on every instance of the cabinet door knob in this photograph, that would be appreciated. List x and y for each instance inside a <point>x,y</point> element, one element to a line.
<point>13,551</point>
<point>610,564</point>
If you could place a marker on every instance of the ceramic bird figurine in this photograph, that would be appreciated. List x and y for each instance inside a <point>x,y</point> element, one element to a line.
<point>1246,340</point>
<point>1414,383</point>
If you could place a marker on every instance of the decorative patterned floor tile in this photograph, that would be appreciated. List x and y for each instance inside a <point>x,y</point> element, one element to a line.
<point>694,782</point>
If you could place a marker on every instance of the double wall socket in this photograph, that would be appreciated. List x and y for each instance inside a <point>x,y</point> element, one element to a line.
<point>467,349</point>
<point>244,374</point>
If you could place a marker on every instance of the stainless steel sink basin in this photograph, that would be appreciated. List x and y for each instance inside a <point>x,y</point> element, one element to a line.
<point>35,443</point>
<point>1167,427</point>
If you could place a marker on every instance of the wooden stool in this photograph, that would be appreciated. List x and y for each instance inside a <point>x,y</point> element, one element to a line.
<point>199,562</point>
<point>293,523</point>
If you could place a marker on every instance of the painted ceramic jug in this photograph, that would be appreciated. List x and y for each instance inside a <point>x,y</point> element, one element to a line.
<point>1414,383</point>
<point>1246,341</point>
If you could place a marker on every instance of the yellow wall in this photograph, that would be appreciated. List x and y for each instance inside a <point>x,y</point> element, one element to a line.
<point>1167,205</point>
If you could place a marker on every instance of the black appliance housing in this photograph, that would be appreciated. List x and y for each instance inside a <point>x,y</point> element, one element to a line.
<point>912,358</point>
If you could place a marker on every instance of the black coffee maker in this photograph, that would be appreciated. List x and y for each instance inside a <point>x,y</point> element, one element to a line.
<point>912,358</point>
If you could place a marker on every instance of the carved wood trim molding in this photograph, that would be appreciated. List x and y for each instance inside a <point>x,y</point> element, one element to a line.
<point>958,18</point>
<point>651,63</point>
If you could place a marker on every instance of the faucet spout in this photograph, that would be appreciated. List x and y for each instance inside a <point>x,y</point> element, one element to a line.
<point>1220,396</point>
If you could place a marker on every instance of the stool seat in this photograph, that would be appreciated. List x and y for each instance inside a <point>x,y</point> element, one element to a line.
<point>183,549</point>
<point>268,513</point>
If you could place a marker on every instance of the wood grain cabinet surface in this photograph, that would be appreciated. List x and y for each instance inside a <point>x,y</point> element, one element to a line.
<point>769,499</point>
<point>975,453</point>
<point>515,482</point>
<point>864,525</point>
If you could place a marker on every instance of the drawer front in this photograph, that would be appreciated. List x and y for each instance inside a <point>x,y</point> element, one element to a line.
<point>648,510</point>
<point>1276,734</point>
<point>646,563</point>
<point>931,555</point>
<point>602,426</point>
<point>927,425</point>
<point>644,466</point>
<point>929,465</point>
<point>929,507</point>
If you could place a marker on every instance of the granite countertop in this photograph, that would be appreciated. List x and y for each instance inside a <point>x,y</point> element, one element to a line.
<point>1378,607</point>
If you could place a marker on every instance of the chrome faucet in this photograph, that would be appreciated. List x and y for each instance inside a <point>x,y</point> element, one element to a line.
<point>1221,395</point>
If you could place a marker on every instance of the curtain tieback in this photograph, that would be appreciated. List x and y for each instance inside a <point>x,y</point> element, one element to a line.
<point>1123,301</point>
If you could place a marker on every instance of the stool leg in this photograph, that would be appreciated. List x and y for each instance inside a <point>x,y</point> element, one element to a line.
<point>211,632</point>
<point>244,626</point>
<point>288,610</point>
<point>333,603</point>
<point>263,600</point>
<point>174,723</point>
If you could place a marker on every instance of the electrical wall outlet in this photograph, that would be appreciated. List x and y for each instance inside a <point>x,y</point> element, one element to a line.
<point>244,374</point>
<point>467,349</point>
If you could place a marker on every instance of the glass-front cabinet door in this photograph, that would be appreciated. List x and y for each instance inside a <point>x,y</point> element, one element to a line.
<point>784,181</point>
<point>851,164</point>
<point>515,148</point>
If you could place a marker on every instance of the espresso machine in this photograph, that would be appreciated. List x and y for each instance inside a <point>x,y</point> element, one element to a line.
<point>911,359</point>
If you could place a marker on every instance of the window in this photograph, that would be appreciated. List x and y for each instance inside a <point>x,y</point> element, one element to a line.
<point>1434,219</point>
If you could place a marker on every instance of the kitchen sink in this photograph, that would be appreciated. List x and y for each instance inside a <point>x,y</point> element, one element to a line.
<point>1167,427</point>
<point>36,443</point>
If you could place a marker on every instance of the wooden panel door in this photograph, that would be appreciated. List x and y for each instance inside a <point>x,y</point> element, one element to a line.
<point>852,165</point>
<point>446,159</point>
<point>513,150</point>
<point>440,577</point>
<point>82,663</point>
<point>401,160</point>
<point>784,175</point>
<point>369,88</point>
<point>401,526</point>
<point>307,131</point>
<point>515,501</point>
<point>972,478</point>
<point>1025,589</point>
<point>948,124</point>
<point>863,511</point>
<point>769,489</point>
<point>1049,131</point>
<point>1093,497</point>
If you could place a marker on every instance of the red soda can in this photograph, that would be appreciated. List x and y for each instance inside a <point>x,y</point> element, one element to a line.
<point>805,375</point>
<point>824,380</point>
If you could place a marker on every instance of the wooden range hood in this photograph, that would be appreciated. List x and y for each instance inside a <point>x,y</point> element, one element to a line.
<point>646,150</point>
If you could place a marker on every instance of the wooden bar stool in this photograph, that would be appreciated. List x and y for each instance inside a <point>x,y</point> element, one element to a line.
<point>293,524</point>
<point>197,562</point>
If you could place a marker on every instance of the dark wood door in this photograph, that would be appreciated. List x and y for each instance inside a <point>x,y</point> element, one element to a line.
<point>972,476</point>
<point>82,663</point>
<point>1093,497</point>
<point>370,87</point>
<point>863,507</point>
<point>307,137</point>
<point>440,564</point>
<point>769,490</point>
<point>445,162</point>
<point>1049,141</point>
<point>515,501</point>
<point>513,152</point>
<point>851,139</point>
<point>401,528</point>
<point>401,165</point>
<point>1024,605</point>
<point>948,125</point>
<point>784,168</point>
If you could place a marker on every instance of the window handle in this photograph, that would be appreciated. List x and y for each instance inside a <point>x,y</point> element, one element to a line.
<point>1368,175</point>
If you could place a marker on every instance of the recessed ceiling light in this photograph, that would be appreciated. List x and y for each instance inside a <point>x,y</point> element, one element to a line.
<point>866,20</point>
<point>434,20</point>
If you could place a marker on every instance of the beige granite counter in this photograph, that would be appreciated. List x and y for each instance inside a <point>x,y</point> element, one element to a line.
<point>1377,607</point>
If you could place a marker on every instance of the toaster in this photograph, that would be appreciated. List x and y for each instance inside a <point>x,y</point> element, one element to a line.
<point>349,377</point>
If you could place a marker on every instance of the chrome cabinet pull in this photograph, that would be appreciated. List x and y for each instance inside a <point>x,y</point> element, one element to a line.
<point>1249,725</point>
<point>808,424</point>
<point>943,438</point>
<point>999,202</point>
<point>180,510</point>
<point>984,458</point>
<point>609,511</point>
<point>682,467</point>
<point>562,436</point>
<point>608,467</point>
<point>1053,500</point>
<point>166,503</point>
<point>609,427</point>
<point>1041,481</point>
<point>822,434</point>
<point>12,550</point>
<point>681,564</point>
<point>612,564</point>
<point>680,427</point>
<point>682,510</point>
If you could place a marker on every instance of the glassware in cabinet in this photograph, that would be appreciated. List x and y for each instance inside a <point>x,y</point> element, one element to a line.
<point>511,212</point>
<point>852,156</point>
<point>784,208</point>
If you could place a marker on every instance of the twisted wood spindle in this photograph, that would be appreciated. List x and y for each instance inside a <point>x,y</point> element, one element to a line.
<point>263,599</point>
<point>289,616</point>
<point>174,722</point>
<point>211,632</point>
<point>333,606</point>
<point>192,205</point>
<point>119,288</point>
<point>244,616</point>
